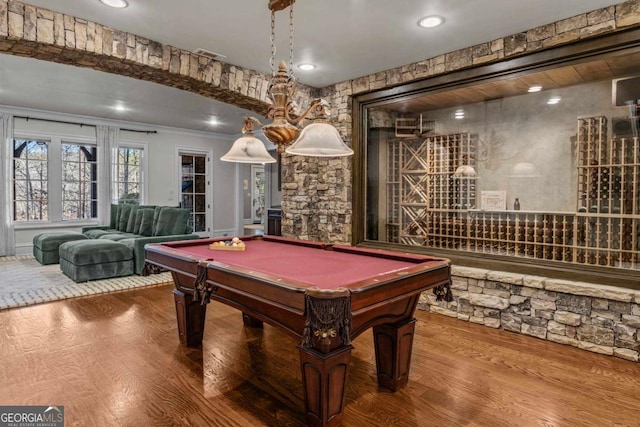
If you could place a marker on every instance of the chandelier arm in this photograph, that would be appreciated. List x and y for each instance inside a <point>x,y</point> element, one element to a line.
<point>298,119</point>
<point>247,128</point>
<point>258,122</point>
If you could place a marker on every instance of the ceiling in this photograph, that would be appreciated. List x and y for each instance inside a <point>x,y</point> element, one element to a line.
<point>344,38</point>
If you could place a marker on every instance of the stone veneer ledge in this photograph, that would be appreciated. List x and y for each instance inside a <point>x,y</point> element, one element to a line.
<point>596,318</point>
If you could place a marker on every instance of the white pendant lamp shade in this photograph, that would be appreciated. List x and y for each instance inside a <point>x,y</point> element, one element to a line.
<point>319,140</point>
<point>465,171</point>
<point>524,170</point>
<point>248,149</point>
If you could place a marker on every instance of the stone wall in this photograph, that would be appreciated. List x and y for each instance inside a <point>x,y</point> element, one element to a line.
<point>601,319</point>
<point>316,198</point>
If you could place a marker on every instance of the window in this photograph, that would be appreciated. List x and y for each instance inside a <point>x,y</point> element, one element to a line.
<point>30,180</point>
<point>79,181</point>
<point>54,180</point>
<point>127,185</point>
<point>489,171</point>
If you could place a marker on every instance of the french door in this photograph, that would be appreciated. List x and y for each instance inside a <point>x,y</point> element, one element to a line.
<point>195,191</point>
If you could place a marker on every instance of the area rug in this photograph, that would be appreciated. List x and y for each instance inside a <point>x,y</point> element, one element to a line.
<point>24,281</point>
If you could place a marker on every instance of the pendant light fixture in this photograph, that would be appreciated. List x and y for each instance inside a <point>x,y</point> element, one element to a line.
<point>248,148</point>
<point>321,139</point>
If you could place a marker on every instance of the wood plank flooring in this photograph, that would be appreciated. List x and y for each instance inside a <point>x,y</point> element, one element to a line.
<point>115,360</point>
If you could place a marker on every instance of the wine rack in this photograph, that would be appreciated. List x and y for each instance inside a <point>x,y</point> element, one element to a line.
<point>608,205</point>
<point>544,235</point>
<point>421,176</point>
<point>393,192</point>
<point>430,204</point>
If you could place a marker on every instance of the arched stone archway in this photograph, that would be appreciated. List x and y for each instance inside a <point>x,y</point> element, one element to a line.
<point>40,33</point>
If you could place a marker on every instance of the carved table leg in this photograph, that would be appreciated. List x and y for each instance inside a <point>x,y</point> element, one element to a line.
<point>324,378</point>
<point>251,321</point>
<point>393,344</point>
<point>149,269</point>
<point>191,316</point>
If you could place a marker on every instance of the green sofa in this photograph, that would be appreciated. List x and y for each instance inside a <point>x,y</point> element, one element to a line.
<point>137,225</point>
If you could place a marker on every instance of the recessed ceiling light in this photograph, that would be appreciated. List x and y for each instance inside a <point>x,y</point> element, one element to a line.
<point>120,4</point>
<point>431,21</point>
<point>214,121</point>
<point>307,66</point>
<point>120,107</point>
<point>554,100</point>
<point>534,89</point>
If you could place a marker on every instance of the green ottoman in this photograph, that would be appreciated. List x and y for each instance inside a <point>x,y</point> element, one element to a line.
<point>46,245</point>
<point>95,259</point>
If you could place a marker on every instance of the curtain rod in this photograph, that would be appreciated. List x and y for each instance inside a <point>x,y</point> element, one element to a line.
<point>81,124</point>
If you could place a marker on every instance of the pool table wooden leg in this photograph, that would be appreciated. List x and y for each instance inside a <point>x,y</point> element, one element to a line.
<point>191,316</point>
<point>324,378</point>
<point>393,344</point>
<point>251,321</point>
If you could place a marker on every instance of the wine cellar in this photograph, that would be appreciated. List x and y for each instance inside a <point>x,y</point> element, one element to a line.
<point>431,201</point>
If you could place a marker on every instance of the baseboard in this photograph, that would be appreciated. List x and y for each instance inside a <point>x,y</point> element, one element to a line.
<point>224,233</point>
<point>24,249</point>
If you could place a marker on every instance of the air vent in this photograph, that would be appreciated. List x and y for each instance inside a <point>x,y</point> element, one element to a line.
<point>209,54</point>
<point>626,91</point>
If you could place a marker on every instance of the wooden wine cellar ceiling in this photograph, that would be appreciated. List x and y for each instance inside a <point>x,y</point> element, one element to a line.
<point>609,68</point>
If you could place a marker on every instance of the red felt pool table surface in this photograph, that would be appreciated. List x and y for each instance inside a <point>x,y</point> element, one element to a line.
<point>325,269</point>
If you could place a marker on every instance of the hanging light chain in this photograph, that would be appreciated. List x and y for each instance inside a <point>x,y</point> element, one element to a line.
<point>273,43</point>
<point>291,39</point>
<point>273,40</point>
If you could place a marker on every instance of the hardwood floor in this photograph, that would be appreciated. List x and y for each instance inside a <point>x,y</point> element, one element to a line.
<point>115,360</point>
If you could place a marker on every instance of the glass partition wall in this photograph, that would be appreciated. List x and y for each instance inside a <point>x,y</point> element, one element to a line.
<point>537,165</point>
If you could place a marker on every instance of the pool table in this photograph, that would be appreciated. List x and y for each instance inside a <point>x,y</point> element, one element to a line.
<point>323,295</point>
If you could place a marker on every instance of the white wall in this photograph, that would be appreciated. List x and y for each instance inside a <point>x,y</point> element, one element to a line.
<point>163,172</point>
<point>162,185</point>
<point>273,171</point>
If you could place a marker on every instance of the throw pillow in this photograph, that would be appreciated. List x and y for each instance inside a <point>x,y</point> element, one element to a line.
<point>146,222</point>
<point>139,216</point>
<point>156,215</point>
<point>132,219</point>
<point>113,217</point>
<point>123,219</point>
<point>171,221</point>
